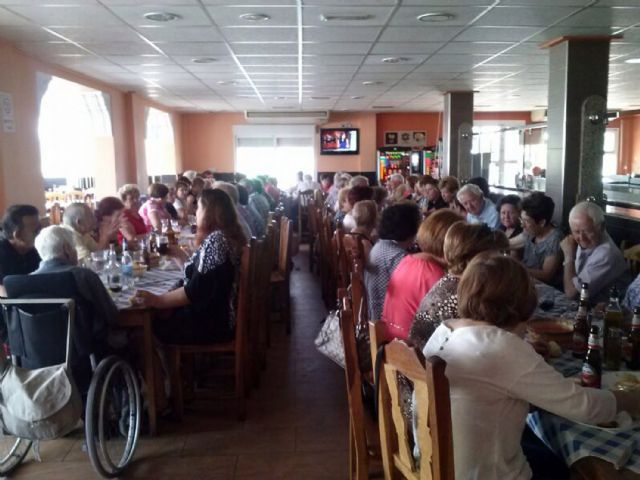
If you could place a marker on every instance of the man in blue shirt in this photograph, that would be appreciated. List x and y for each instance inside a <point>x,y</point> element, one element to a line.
<point>479,209</point>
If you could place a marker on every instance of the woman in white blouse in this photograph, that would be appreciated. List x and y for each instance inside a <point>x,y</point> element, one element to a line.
<point>494,375</point>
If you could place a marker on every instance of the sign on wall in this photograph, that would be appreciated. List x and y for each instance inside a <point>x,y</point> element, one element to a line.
<point>6,112</point>
<point>406,138</point>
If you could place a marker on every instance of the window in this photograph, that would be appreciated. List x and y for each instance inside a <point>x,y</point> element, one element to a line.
<point>160,150</point>
<point>610,156</point>
<point>74,129</point>
<point>275,150</point>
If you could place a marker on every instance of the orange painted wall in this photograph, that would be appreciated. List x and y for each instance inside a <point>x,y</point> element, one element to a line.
<point>629,143</point>
<point>365,161</point>
<point>20,176</point>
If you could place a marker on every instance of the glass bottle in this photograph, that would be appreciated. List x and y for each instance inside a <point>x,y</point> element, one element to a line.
<point>612,338</point>
<point>581,324</point>
<point>113,270</point>
<point>127,264</point>
<point>633,361</point>
<point>591,374</point>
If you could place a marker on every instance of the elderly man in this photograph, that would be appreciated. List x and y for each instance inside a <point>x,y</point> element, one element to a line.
<point>56,247</point>
<point>20,225</point>
<point>394,182</point>
<point>479,209</point>
<point>80,221</point>
<point>590,256</point>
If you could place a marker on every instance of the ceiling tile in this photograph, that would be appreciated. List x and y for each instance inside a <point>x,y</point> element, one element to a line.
<point>68,16</point>
<point>497,34</point>
<point>407,16</point>
<point>214,49</point>
<point>225,16</point>
<point>605,17</point>
<point>340,34</point>
<point>180,34</point>
<point>406,48</point>
<point>334,60</point>
<point>260,34</point>
<point>9,18</point>
<point>189,16</point>
<point>269,49</point>
<point>524,16</point>
<point>419,34</point>
<point>487,48</point>
<point>120,48</point>
<point>347,48</point>
<point>555,32</point>
<point>98,35</point>
<point>25,34</point>
<point>51,48</point>
<point>313,15</point>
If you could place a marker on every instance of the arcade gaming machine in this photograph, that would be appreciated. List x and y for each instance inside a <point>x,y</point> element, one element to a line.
<point>406,161</point>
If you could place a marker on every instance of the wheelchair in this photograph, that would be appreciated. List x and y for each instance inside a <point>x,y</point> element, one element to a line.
<point>38,337</point>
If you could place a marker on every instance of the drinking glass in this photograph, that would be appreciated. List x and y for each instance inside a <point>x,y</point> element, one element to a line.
<point>165,224</point>
<point>613,349</point>
<point>99,260</point>
<point>175,225</point>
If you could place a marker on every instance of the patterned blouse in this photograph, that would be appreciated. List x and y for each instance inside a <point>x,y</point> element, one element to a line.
<point>632,297</point>
<point>383,260</point>
<point>438,305</point>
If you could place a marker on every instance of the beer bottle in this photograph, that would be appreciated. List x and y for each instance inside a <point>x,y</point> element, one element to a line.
<point>591,374</point>
<point>171,234</point>
<point>612,338</point>
<point>633,361</point>
<point>581,324</point>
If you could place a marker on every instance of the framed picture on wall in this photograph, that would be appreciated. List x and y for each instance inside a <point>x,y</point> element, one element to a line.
<point>391,138</point>
<point>420,138</point>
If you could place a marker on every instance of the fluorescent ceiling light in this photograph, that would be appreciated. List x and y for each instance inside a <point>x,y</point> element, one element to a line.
<point>371,82</point>
<point>435,17</point>
<point>345,18</point>
<point>204,60</point>
<point>632,60</point>
<point>255,17</point>
<point>394,59</point>
<point>162,16</point>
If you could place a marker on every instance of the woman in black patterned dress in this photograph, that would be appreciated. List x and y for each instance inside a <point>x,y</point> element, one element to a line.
<point>202,309</point>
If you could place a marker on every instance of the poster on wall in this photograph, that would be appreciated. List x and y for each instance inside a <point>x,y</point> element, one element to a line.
<point>406,138</point>
<point>6,112</point>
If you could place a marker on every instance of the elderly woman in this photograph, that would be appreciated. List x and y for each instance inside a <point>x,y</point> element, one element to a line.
<point>201,311</point>
<point>80,221</point>
<point>541,255</point>
<point>340,181</point>
<point>495,376</point>
<point>479,209</point>
<point>130,196</point>
<point>509,208</point>
<point>342,206</point>
<point>430,196</point>
<point>182,198</point>
<point>153,211</point>
<point>109,206</point>
<point>397,231</point>
<point>232,191</point>
<point>462,242</point>
<point>354,195</point>
<point>365,215</point>
<point>416,274</point>
<point>252,217</point>
<point>55,244</point>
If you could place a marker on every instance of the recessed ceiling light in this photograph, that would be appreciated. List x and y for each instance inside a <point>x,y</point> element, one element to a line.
<point>394,59</point>
<point>320,98</point>
<point>345,18</point>
<point>632,60</point>
<point>226,82</point>
<point>204,60</point>
<point>255,17</point>
<point>162,16</point>
<point>357,97</point>
<point>435,17</point>
<point>371,82</point>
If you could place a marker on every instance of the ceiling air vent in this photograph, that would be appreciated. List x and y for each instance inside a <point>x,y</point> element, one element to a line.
<point>320,116</point>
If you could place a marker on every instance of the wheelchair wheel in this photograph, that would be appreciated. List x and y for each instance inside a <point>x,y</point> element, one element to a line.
<point>12,453</point>
<point>112,418</point>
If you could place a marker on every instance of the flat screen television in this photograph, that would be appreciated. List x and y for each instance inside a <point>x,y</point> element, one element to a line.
<point>339,141</point>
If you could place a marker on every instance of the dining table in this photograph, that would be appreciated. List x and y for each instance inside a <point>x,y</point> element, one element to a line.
<point>591,452</point>
<point>157,280</point>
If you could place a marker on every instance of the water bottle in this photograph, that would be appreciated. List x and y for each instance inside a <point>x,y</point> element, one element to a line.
<point>127,265</point>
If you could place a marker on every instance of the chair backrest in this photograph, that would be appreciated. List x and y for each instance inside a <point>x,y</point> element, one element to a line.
<point>340,258</point>
<point>23,334</point>
<point>359,293</point>
<point>632,256</point>
<point>55,214</point>
<point>40,330</point>
<point>353,248</point>
<point>242,300</point>
<point>284,250</point>
<point>432,409</point>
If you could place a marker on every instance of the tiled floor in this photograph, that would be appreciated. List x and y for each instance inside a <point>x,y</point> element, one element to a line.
<point>296,424</point>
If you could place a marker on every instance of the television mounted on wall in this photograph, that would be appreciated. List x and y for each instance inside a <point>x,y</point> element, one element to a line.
<point>339,141</point>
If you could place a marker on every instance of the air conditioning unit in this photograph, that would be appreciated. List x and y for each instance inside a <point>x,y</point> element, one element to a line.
<point>313,117</point>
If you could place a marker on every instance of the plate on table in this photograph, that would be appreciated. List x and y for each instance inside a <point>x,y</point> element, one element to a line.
<point>621,381</point>
<point>559,330</point>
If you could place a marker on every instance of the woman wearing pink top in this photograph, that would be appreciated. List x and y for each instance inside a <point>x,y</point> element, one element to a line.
<point>153,210</point>
<point>416,274</point>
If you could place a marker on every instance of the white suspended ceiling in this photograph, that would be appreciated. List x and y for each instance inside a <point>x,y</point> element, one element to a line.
<point>296,60</point>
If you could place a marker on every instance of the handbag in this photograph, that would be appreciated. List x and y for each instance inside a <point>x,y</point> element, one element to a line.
<point>41,404</point>
<point>329,339</point>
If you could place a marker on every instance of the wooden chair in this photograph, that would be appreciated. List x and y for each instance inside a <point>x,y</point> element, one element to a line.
<point>280,278</point>
<point>304,200</point>
<point>236,347</point>
<point>632,256</point>
<point>314,222</point>
<point>364,438</point>
<point>432,409</point>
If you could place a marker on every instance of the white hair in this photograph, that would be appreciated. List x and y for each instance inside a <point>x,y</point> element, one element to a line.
<point>76,212</point>
<point>591,210</point>
<point>228,188</point>
<point>396,176</point>
<point>53,241</point>
<point>359,181</point>
<point>474,190</point>
<point>190,174</point>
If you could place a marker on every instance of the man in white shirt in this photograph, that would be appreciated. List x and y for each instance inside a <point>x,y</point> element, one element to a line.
<point>479,209</point>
